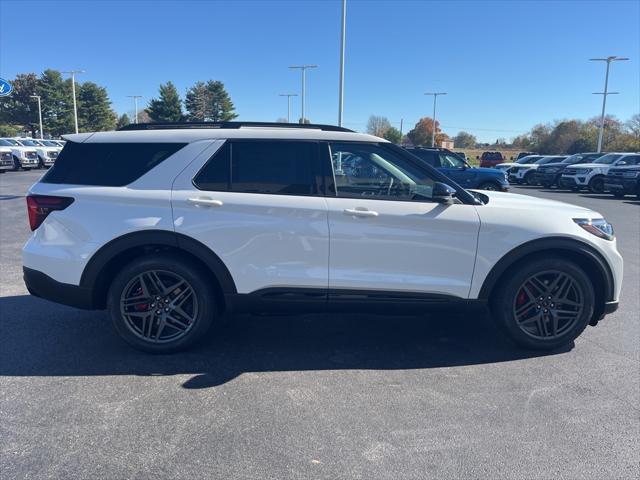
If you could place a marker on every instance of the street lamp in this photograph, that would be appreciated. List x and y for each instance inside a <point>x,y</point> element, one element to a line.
<point>73,91</point>
<point>605,93</point>
<point>135,104</point>
<point>342,42</point>
<point>288,95</point>
<point>303,69</point>
<point>37,97</point>
<point>433,130</point>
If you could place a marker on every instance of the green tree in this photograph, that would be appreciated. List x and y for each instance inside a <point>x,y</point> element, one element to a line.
<point>423,130</point>
<point>94,109</point>
<point>209,101</point>
<point>19,108</point>
<point>377,125</point>
<point>57,102</point>
<point>393,135</point>
<point>167,108</point>
<point>123,120</point>
<point>9,131</point>
<point>464,140</point>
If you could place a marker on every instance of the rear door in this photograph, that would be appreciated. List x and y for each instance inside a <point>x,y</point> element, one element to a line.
<point>256,204</point>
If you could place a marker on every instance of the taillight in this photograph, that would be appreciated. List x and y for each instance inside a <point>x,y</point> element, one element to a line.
<point>39,206</point>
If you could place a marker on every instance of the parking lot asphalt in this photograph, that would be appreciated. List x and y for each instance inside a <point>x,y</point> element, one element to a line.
<point>322,396</point>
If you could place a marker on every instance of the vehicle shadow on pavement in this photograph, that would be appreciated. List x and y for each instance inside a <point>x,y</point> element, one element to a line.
<point>39,338</point>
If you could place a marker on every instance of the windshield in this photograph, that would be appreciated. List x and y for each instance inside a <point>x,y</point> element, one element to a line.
<point>581,158</point>
<point>49,143</point>
<point>5,143</point>
<point>529,159</point>
<point>609,158</point>
<point>29,143</point>
<point>544,160</point>
<point>10,141</point>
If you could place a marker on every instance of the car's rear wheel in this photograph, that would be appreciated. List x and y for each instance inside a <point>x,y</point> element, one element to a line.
<point>544,304</point>
<point>596,185</point>
<point>161,304</point>
<point>491,186</point>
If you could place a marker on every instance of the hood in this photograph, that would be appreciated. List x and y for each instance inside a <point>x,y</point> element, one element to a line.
<point>489,171</point>
<point>626,168</point>
<point>557,164</point>
<point>590,165</point>
<point>523,202</point>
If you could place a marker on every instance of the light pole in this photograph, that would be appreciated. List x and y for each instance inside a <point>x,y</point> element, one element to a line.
<point>73,92</point>
<point>433,130</point>
<point>303,69</point>
<point>37,97</point>
<point>342,42</point>
<point>135,104</point>
<point>605,93</point>
<point>288,95</point>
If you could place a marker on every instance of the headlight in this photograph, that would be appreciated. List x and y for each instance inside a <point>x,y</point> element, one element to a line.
<point>631,174</point>
<point>598,227</point>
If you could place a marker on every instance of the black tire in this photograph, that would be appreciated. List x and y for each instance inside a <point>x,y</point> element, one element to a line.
<point>504,304</point>
<point>202,304</point>
<point>596,184</point>
<point>530,179</point>
<point>491,186</point>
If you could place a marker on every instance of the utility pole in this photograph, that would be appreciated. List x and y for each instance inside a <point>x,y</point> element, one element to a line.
<point>135,104</point>
<point>303,69</point>
<point>605,93</point>
<point>433,130</point>
<point>73,92</point>
<point>401,121</point>
<point>37,97</point>
<point>342,43</point>
<point>288,95</point>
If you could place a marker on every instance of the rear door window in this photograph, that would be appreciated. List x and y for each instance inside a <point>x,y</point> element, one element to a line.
<point>259,166</point>
<point>107,164</point>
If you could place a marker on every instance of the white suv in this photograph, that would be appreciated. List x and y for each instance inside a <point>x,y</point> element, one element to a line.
<point>592,175</point>
<point>23,157</point>
<point>168,226</point>
<point>526,172</point>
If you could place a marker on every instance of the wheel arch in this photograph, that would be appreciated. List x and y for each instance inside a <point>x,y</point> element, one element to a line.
<point>111,257</point>
<point>584,255</point>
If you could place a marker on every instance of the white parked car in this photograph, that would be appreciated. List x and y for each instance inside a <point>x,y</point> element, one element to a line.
<point>592,175</point>
<point>47,154</point>
<point>526,172</point>
<point>528,160</point>
<point>23,157</point>
<point>6,159</point>
<point>200,219</point>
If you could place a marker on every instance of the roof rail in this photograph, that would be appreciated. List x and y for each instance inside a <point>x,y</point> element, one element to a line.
<point>225,125</point>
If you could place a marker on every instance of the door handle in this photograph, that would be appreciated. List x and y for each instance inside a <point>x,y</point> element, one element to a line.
<point>208,202</point>
<point>360,212</point>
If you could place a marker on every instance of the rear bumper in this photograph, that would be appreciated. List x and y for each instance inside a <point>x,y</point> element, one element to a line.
<point>43,286</point>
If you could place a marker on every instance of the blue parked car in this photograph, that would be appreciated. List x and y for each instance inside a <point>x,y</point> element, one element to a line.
<point>460,171</point>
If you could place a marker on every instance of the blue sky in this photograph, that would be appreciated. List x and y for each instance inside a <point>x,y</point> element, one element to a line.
<point>506,65</point>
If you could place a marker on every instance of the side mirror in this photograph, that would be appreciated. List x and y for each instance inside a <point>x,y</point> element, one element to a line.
<point>443,193</point>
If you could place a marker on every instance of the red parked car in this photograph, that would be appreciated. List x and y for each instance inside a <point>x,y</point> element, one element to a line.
<point>491,159</point>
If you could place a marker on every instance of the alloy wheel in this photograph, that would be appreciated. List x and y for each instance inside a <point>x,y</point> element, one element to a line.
<point>159,306</point>
<point>548,304</point>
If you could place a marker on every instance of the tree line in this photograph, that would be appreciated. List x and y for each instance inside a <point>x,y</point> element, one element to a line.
<point>204,101</point>
<point>559,137</point>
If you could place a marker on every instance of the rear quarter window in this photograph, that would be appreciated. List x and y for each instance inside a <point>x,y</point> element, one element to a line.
<point>107,164</point>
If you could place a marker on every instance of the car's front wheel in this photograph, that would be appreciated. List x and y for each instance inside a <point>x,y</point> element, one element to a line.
<point>545,304</point>
<point>491,186</point>
<point>596,185</point>
<point>161,304</point>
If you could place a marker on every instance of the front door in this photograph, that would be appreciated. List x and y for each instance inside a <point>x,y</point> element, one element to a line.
<point>386,233</point>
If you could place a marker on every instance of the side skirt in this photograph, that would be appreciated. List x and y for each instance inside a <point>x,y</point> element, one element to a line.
<point>318,300</point>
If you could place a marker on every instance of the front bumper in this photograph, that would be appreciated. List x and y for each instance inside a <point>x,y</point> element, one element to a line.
<point>622,185</point>
<point>547,178</point>
<point>29,162</point>
<point>573,182</point>
<point>43,286</point>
